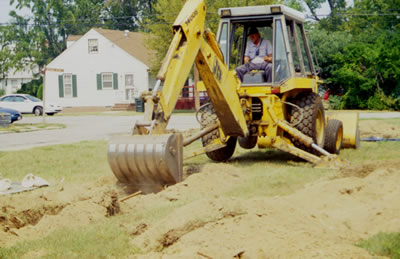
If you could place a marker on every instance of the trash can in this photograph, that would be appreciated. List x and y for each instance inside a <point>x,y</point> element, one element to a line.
<point>5,119</point>
<point>139,105</point>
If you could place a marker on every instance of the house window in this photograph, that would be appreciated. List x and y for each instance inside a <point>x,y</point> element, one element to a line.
<point>93,46</point>
<point>107,80</point>
<point>129,80</point>
<point>67,85</point>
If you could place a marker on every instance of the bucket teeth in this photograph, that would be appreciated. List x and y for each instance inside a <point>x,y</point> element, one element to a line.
<point>142,160</point>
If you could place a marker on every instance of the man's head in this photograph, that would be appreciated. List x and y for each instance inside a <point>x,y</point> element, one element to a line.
<point>254,35</point>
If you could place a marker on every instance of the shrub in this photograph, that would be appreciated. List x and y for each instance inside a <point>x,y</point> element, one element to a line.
<point>336,102</point>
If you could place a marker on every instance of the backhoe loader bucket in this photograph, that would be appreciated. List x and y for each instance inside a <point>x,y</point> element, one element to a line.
<point>147,161</point>
<point>351,132</point>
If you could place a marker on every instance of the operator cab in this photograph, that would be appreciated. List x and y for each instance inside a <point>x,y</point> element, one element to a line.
<point>282,26</point>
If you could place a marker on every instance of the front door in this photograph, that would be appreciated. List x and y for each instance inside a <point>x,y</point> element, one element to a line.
<point>131,92</point>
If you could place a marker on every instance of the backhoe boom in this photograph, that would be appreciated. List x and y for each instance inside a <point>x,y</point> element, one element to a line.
<point>192,44</point>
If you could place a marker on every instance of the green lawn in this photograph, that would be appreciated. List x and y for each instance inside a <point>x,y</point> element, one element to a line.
<point>26,127</point>
<point>57,161</point>
<point>383,244</point>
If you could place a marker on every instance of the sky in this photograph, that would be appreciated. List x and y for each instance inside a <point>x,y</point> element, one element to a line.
<point>5,8</point>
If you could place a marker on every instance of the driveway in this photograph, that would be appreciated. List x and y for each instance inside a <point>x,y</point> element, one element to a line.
<point>81,128</point>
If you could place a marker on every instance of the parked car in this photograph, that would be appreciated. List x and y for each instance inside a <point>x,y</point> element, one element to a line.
<point>15,115</point>
<point>26,103</point>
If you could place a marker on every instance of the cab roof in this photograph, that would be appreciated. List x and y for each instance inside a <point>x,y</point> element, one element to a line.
<point>261,10</point>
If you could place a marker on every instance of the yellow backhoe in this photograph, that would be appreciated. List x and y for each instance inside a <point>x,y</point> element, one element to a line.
<point>285,113</point>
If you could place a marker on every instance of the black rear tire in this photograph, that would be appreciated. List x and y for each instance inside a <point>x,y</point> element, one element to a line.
<point>38,111</point>
<point>223,154</point>
<point>334,136</point>
<point>209,117</point>
<point>310,120</point>
<point>247,142</point>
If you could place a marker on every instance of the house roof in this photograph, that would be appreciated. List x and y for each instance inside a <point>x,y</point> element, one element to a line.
<point>74,37</point>
<point>134,44</point>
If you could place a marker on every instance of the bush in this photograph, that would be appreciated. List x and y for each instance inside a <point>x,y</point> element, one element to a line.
<point>2,92</point>
<point>336,102</point>
<point>382,102</point>
<point>33,88</point>
<point>369,73</point>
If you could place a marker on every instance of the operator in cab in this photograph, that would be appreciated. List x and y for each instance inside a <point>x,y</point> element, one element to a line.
<point>258,56</point>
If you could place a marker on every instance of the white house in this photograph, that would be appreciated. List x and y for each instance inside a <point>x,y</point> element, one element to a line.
<point>101,68</point>
<point>14,79</point>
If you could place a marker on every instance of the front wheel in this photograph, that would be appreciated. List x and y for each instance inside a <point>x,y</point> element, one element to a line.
<point>38,111</point>
<point>334,136</point>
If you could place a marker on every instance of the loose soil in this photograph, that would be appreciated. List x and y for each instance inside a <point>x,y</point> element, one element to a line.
<point>324,219</point>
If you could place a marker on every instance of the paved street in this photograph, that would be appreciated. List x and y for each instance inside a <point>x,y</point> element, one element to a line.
<point>81,128</point>
<point>379,115</point>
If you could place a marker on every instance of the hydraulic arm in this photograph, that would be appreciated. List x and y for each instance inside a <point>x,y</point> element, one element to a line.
<point>152,157</point>
<point>193,44</point>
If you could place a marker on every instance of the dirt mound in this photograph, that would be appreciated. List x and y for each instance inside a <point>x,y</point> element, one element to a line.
<point>185,220</point>
<point>325,219</point>
<point>365,169</point>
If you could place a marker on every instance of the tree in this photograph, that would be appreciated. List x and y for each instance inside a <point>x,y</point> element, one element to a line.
<point>370,73</point>
<point>43,37</point>
<point>34,88</point>
<point>6,57</point>
<point>326,45</point>
<point>127,14</point>
<point>313,5</point>
<point>374,16</point>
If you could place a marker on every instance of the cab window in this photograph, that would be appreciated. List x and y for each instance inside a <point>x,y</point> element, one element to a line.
<point>223,40</point>
<point>306,60</point>
<point>292,41</point>
<point>236,57</point>
<point>281,64</point>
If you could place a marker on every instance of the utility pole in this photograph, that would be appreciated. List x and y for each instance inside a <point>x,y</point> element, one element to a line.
<point>44,94</point>
<point>196,93</point>
<point>44,87</point>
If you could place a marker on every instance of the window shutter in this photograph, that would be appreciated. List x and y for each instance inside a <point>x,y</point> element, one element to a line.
<point>60,86</point>
<point>74,87</point>
<point>115,79</point>
<point>99,82</point>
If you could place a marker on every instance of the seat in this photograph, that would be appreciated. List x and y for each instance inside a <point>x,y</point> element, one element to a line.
<point>254,77</point>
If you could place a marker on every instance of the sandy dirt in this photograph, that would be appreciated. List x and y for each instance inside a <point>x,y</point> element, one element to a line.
<point>324,219</point>
<point>374,128</point>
